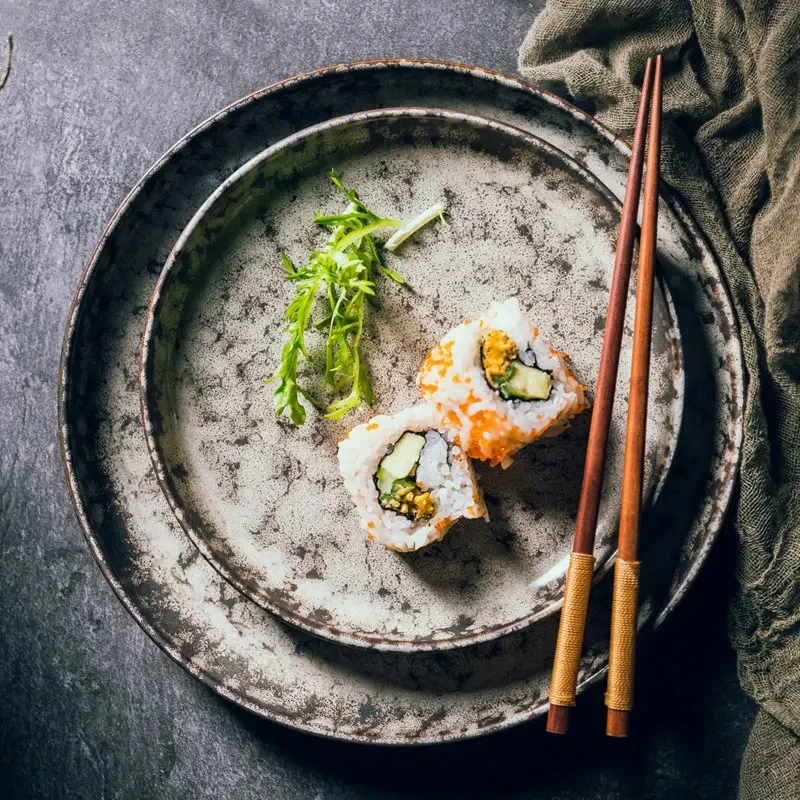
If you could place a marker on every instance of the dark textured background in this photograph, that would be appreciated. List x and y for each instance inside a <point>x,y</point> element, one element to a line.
<point>89,707</point>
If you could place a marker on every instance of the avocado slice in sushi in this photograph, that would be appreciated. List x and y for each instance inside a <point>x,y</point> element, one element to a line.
<point>526,383</point>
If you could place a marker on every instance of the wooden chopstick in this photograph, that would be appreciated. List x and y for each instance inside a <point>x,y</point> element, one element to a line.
<point>579,575</point>
<point>624,607</point>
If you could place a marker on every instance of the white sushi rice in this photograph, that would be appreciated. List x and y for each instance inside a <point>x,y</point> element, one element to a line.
<point>483,423</point>
<point>444,471</point>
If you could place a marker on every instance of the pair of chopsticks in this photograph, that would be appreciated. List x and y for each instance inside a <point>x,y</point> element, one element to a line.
<point>619,694</point>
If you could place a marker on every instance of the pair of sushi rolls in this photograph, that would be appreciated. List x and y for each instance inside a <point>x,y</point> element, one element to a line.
<point>409,481</point>
<point>497,385</point>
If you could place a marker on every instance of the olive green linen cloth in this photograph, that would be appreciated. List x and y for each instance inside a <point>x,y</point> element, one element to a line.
<point>731,149</point>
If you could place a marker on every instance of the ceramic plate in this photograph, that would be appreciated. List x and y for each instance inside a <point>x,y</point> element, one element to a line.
<point>247,654</point>
<point>263,499</point>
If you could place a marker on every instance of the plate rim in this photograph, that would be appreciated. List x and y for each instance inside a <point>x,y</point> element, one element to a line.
<point>150,411</point>
<point>77,307</point>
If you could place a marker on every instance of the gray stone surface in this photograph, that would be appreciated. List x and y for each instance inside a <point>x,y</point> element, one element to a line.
<point>90,707</point>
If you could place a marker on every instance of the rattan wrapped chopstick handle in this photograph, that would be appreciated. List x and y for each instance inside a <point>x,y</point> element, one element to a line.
<point>570,630</point>
<point>622,648</point>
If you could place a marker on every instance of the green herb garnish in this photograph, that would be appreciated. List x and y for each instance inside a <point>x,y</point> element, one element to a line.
<point>340,277</point>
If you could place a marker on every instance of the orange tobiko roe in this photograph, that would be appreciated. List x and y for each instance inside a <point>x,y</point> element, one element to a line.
<point>441,358</point>
<point>442,524</point>
<point>491,436</point>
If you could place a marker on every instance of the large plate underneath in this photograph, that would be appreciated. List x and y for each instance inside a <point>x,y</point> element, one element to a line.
<point>208,627</point>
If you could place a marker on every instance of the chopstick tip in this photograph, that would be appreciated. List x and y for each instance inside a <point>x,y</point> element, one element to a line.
<point>558,719</point>
<point>617,723</point>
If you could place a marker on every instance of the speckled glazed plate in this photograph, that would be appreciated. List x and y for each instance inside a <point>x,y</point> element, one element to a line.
<point>249,655</point>
<point>262,498</point>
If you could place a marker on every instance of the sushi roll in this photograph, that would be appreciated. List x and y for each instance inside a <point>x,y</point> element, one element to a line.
<point>409,481</point>
<point>497,385</point>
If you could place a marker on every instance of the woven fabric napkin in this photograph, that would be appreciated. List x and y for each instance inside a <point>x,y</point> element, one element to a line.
<point>731,150</point>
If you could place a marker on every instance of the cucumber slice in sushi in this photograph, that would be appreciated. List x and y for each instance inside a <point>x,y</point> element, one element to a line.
<point>403,457</point>
<point>527,383</point>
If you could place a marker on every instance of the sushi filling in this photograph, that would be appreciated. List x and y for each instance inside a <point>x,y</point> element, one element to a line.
<point>396,479</point>
<point>507,373</point>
